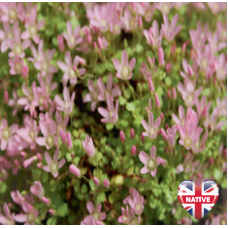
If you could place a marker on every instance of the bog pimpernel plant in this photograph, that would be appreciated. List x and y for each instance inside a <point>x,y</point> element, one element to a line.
<point>107,107</point>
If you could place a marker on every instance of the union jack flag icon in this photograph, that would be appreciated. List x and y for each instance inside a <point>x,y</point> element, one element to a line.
<point>198,200</point>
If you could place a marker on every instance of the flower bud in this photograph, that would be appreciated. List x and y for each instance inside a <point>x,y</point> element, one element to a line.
<point>211,161</point>
<point>39,165</point>
<point>133,150</point>
<point>157,101</point>
<point>60,43</point>
<point>168,94</point>
<point>151,40</point>
<point>132,133</point>
<point>183,47</point>
<point>106,183</point>
<point>75,170</point>
<point>142,138</point>
<point>96,181</point>
<point>23,154</point>
<point>100,44</point>
<point>51,211</point>
<point>151,86</point>
<point>140,22</point>
<point>225,153</point>
<point>69,141</point>
<point>161,59</point>
<point>6,96</point>
<point>25,70</point>
<point>40,158</point>
<point>174,94</point>
<point>162,117</point>
<point>122,136</point>
<point>45,200</point>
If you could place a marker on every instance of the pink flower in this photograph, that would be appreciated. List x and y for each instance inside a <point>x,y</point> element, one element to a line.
<point>71,70</point>
<point>129,21</point>
<point>29,132</point>
<point>89,220</point>
<point>99,17</point>
<point>153,37</point>
<point>217,6</point>
<point>110,115</point>
<point>43,61</point>
<point>6,133</point>
<point>170,136</point>
<point>27,101</point>
<point>151,162</point>
<point>32,27</point>
<point>199,36</point>
<point>45,200</point>
<point>75,170</point>
<point>171,30</point>
<point>29,217</point>
<point>14,103</point>
<point>206,61</point>
<point>146,9</point>
<point>48,130</point>
<point>95,212</point>
<point>61,123</point>
<point>8,219</point>
<point>16,65</point>
<point>189,134</point>
<point>221,67</point>
<point>93,95</point>
<point>88,146</point>
<point>190,115</point>
<point>200,145</point>
<point>47,83</point>
<point>11,11</point>
<point>72,38</point>
<point>7,35</point>
<point>211,122</point>
<point>115,24</point>
<point>17,48</point>
<point>188,164</point>
<point>124,69</point>
<point>152,128</point>
<point>188,92</point>
<point>222,106</point>
<point>215,45</point>
<point>165,7</point>
<point>124,218</point>
<point>203,107</point>
<point>53,164</point>
<point>105,91</point>
<point>17,197</point>
<point>65,106</point>
<point>37,189</point>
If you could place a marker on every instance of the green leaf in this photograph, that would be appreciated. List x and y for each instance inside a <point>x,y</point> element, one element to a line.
<point>130,107</point>
<point>3,187</point>
<point>122,100</point>
<point>109,126</point>
<point>224,182</point>
<point>51,221</point>
<point>100,197</point>
<point>153,202</point>
<point>113,197</point>
<point>217,173</point>
<point>156,189</point>
<point>63,210</point>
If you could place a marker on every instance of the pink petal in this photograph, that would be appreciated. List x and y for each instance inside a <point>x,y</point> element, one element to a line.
<point>90,207</point>
<point>48,158</point>
<point>153,173</point>
<point>143,157</point>
<point>144,170</point>
<point>153,152</point>
<point>21,218</point>
<point>124,58</point>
